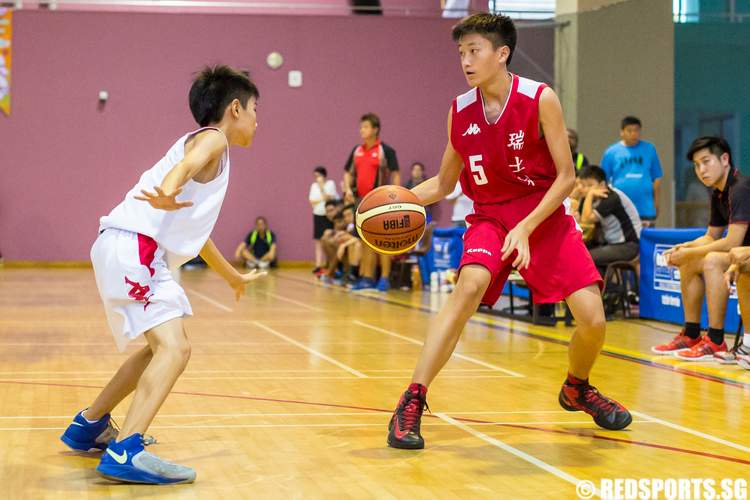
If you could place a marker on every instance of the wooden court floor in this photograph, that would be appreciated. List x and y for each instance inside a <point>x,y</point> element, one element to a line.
<point>288,395</point>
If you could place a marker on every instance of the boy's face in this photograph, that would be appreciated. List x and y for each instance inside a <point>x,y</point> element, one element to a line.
<point>349,216</point>
<point>261,226</point>
<point>710,168</point>
<point>589,184</point>
<point>631,134</point>
<point>330,211</point>
<point>479,61</point>
<point>247,122</point>
<point>367,132</point>
<point>417,171</point>
<point>319,177</point>
<point>339,224</point>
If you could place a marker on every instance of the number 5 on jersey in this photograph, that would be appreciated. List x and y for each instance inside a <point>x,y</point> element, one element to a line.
<point>477,169</point>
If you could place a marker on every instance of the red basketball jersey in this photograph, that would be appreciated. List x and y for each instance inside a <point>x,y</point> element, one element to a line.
<point>507,159</point>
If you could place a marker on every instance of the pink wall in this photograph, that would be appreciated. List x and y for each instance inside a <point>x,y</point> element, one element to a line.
<point>64,163</point>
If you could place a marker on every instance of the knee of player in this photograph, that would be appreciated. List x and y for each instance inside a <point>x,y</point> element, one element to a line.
<point>716,261</point>
<point>470,287</point>
<point>593,321</point>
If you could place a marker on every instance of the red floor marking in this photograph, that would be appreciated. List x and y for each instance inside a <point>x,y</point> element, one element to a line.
<point>381,410</point>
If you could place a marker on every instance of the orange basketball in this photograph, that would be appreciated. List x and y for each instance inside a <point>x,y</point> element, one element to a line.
<point>390,219</point>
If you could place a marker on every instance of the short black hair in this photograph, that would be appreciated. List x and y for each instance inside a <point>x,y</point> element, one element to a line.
<point>593,172</point>
<point>348,207</point>
<point>332,203</point>
<point>321,170</point>
<point>630,120</point>
<point>338,217</point>
<point>497,28</point>
<point>214,88</point>
<point>717,145</point>
<point>373,119</point>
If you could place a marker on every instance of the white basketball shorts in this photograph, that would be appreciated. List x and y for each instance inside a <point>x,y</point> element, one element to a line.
<point>135,285</point>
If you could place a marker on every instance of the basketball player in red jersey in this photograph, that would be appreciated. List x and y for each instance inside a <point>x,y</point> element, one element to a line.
<point>509,146</point>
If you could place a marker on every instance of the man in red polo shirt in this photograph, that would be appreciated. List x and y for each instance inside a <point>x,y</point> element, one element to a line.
<point>371,164</point>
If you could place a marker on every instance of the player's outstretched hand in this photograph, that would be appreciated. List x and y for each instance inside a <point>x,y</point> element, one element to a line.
<point>518,240</point>
<point>242,281</point>
<point>163,201</point>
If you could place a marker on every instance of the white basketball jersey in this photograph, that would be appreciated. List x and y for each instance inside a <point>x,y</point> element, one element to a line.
<point>182,233</point>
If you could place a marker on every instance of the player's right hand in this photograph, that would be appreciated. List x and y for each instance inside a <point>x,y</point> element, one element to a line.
<point>243,279</point>
<point>163,201</point>
<point>731,276</point>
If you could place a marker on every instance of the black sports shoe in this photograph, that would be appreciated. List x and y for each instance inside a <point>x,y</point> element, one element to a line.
<point>607,413</point>
<point>403,429</point>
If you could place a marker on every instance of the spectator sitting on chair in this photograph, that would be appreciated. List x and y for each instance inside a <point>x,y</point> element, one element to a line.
<point>259,248</point>
<point>579,159</point>
<point>618,217</point>
<point>739,274</point>
<point>703,261</point>
<point>633,166</point>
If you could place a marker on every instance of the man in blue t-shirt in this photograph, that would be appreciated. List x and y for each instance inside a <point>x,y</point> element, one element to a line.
<point>633,167</point>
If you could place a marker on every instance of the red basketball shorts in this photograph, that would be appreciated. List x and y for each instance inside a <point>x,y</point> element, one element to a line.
<point>560,263</point>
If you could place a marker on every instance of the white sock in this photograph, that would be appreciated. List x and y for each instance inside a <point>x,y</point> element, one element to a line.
<point>746,339</point>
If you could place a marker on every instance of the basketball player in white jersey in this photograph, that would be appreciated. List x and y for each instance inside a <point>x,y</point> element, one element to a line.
<point>149,228</point>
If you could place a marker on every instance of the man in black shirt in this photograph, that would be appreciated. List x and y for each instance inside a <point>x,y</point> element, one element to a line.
<point>703,261</point>
<point>615,213</point>
<point>259,248</point>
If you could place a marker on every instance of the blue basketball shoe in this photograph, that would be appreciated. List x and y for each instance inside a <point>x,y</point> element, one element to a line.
<point>82,435</point>
<point>128,462</point>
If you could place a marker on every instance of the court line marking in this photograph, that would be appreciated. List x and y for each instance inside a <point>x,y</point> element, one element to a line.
<point>455,354</point>
<point>514,451</point>
<point>209,300</point>
<point>694,432</point>
<point>190,372</point>
<point>302,346</point>
<point>286,414</point>
<point>292,301</point>
<point>388,411</point>
<point>265,377</point>
<point>307,425</point>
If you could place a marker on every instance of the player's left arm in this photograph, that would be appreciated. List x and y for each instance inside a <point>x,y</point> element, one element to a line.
<point>218,263</point>
<point>553,129</point>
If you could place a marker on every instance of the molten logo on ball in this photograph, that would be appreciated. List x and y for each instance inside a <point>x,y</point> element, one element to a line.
<point>402,223</point>
<point>391,245</point>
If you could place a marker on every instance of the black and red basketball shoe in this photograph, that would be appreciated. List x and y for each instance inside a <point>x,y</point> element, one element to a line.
<point>403,429</point>
<point>606,412</point>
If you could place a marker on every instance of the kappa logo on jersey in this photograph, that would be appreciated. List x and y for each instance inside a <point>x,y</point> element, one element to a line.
<point>138,292</point>
<point>472,130</point>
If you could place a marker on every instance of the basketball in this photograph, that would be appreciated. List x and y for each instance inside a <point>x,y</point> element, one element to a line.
<point>390,220</point>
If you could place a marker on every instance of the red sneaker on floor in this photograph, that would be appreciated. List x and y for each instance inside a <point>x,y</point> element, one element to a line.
<point>403,429</point>
<point>681,342</point>
<point>703,351</point>
<point>606,412</point>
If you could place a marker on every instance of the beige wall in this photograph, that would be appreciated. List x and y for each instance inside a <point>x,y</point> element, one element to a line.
<point>617,60</point>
